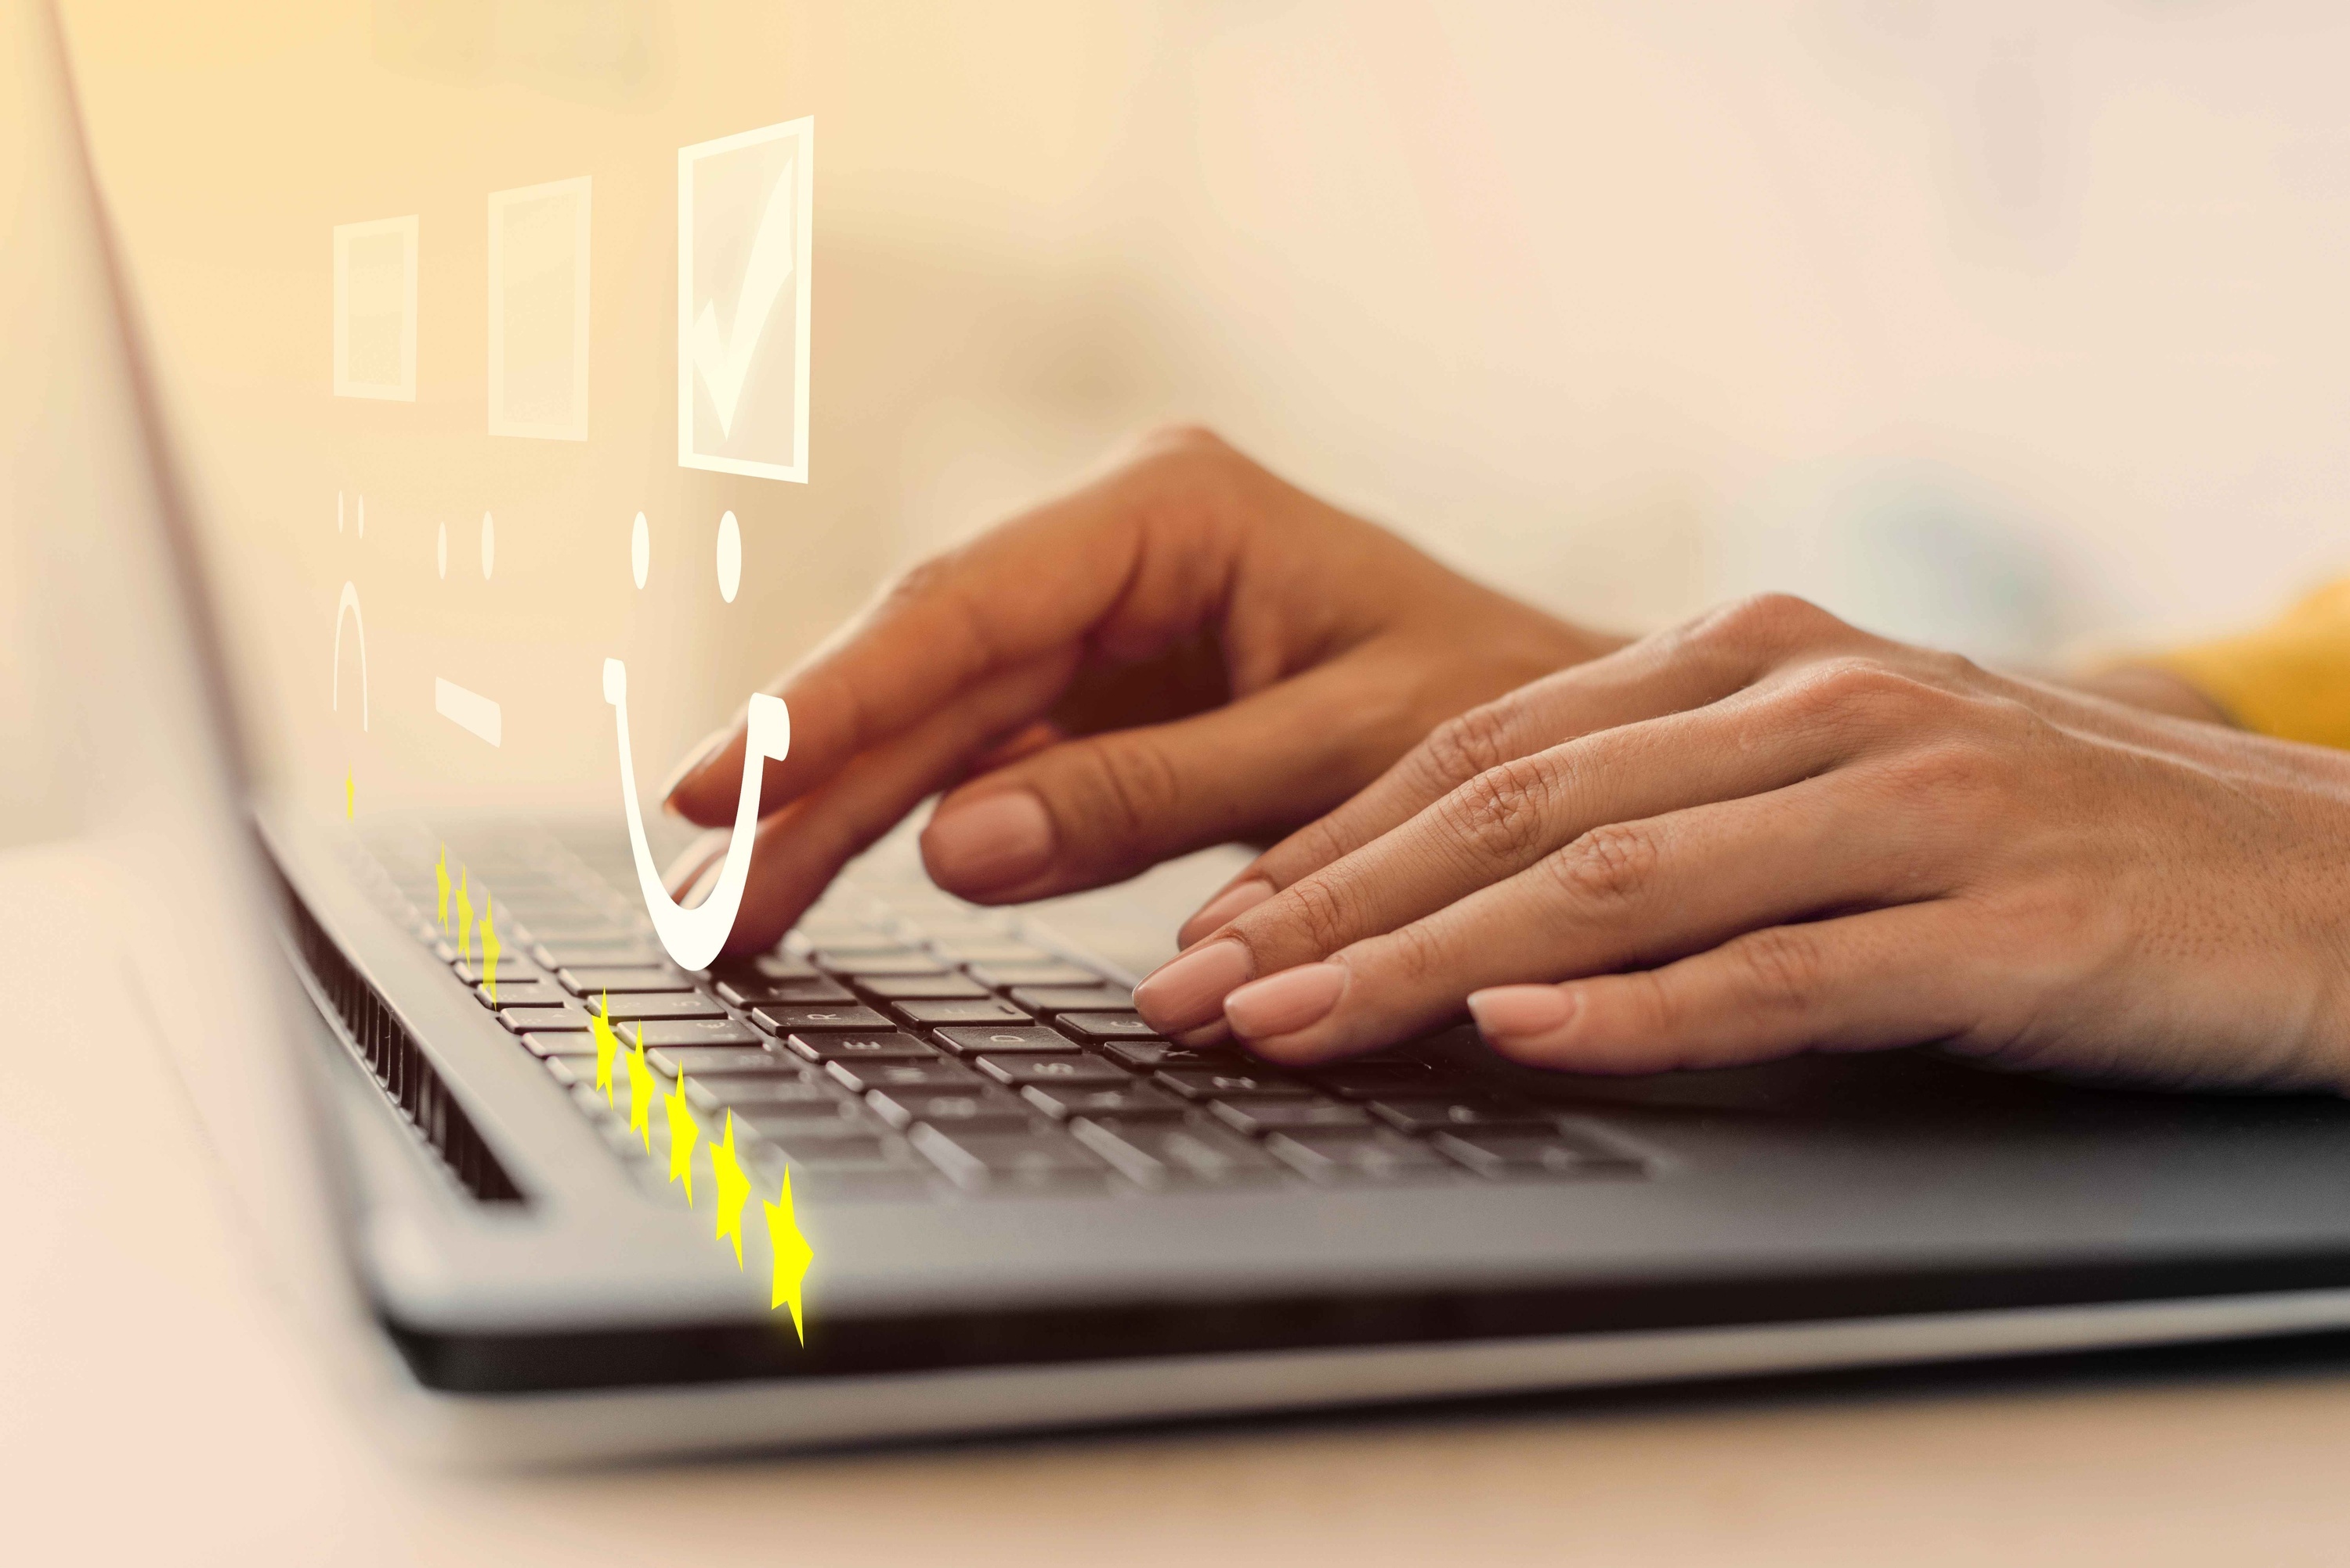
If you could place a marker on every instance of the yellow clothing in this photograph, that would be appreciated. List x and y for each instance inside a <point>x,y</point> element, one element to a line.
<point>2291,680</point>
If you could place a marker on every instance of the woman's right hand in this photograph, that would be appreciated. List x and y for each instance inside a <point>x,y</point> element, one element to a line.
<point>1180,652</point>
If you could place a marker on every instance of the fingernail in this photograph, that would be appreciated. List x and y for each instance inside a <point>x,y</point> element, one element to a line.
<point>1189,990</point>
<point>1286,1002</point>
<point>1228,904</point>
<point>710,747</point>
<point>1516,1011</point>
<point>992,842</point>
<point>1214,1032</point>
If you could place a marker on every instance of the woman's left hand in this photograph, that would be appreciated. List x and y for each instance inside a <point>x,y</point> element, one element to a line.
<point>1768,832</point>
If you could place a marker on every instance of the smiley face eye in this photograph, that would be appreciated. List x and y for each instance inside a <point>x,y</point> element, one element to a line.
<point>640,549</point>
<point>729,557</point>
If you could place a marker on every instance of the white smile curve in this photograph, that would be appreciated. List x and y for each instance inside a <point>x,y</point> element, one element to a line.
<point>693,937</point>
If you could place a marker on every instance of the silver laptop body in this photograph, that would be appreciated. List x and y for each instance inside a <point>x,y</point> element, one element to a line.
<point>548,1294</point>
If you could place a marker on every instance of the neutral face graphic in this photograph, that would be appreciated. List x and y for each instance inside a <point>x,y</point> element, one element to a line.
<point>742,218</point>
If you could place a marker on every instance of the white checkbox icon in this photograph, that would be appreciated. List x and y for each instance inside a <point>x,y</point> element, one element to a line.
<point>742,253</point>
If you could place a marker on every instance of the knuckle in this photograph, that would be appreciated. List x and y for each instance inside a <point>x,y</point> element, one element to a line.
<point>1860,692</point>
<point>1768,620</point>
<point>1655,1007</point>
<point>1316,912</point>
<point>1182,438</point>
<point>1465,745</point>
<point>1132,785</point>
<point>1320,842</point>
<point>1612,864</point>
<point>1416,956</point>
<point>1782,966</point>
<point>1500,815</point>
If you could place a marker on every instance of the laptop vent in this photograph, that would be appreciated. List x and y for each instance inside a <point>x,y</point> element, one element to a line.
<point>385,1047</point>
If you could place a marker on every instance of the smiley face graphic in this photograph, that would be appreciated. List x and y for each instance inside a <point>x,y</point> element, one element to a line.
<point>692,938</point>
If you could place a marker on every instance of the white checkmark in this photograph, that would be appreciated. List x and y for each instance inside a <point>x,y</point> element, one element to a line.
<point>724,361</point>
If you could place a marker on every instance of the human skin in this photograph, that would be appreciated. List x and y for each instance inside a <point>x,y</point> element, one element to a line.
<point>1761,833</point>
<point>1182,650</point>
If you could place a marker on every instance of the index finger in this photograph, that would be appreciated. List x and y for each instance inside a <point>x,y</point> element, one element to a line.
<point>1047,580</point>
<point>1641,682</point>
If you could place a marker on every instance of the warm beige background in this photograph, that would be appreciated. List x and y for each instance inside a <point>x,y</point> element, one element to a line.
<point>2010,323</point>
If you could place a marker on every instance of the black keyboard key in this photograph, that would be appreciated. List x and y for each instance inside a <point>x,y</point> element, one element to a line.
<point>509,971</point>
<point>810,1126</point>
<point>573,954</point>
<point>866,1045</point>
<point>1381,1081</point>
<point>1003,976</point>
<point>1358,1154</point>
<point>1050,998</point>
<point>592,979</point>
<point>974,1108</point>
<point>1209,1083</point>
<point>542,1020</point>
<point>857,965</point>
<point>804,1020</point>
<point>628,1009</point>
<point>1158,1153</point>
<point>1106,1026</point>
<point>745,1092</point>
<point>980,1041</point>
<point>836,1152</point>
<point>921,987</point>
<point>688,1031</point>
<point>1501,1154</point>
<point>1062,1101</point>
<point>1255,1118</point>
<point>700,1060</point>
<point>984,1159</point>
<point>560,1045</point>
<point>1148,1056</point>
<point>863,1078</point>
<point>519,993</point>
<point>1438,1113</point>
<point>939,1013</point>
<point>783,966</point>
<point>1019,1070</point>
<point>747,992</point>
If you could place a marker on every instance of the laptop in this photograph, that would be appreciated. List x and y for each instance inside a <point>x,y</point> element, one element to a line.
<point>1017,1208</point>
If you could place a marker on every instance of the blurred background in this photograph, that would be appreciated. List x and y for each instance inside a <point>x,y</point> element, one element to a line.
<point>2010,325</point>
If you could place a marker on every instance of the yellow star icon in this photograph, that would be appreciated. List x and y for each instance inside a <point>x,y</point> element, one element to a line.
<point>793,1256</point>
<point>684,1132</point>
<point>734,1189</point>
<point>350,795</point>
<point>464,918</point>
<point>642,1084</point>
<point>490,948</point>
<point>440,885</point>
<point>608,1046</point>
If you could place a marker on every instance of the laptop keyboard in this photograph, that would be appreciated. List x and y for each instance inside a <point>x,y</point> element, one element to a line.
<point>901,1043</point>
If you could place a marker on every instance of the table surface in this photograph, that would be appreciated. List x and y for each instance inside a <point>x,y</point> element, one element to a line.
<point>158,1403</point>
